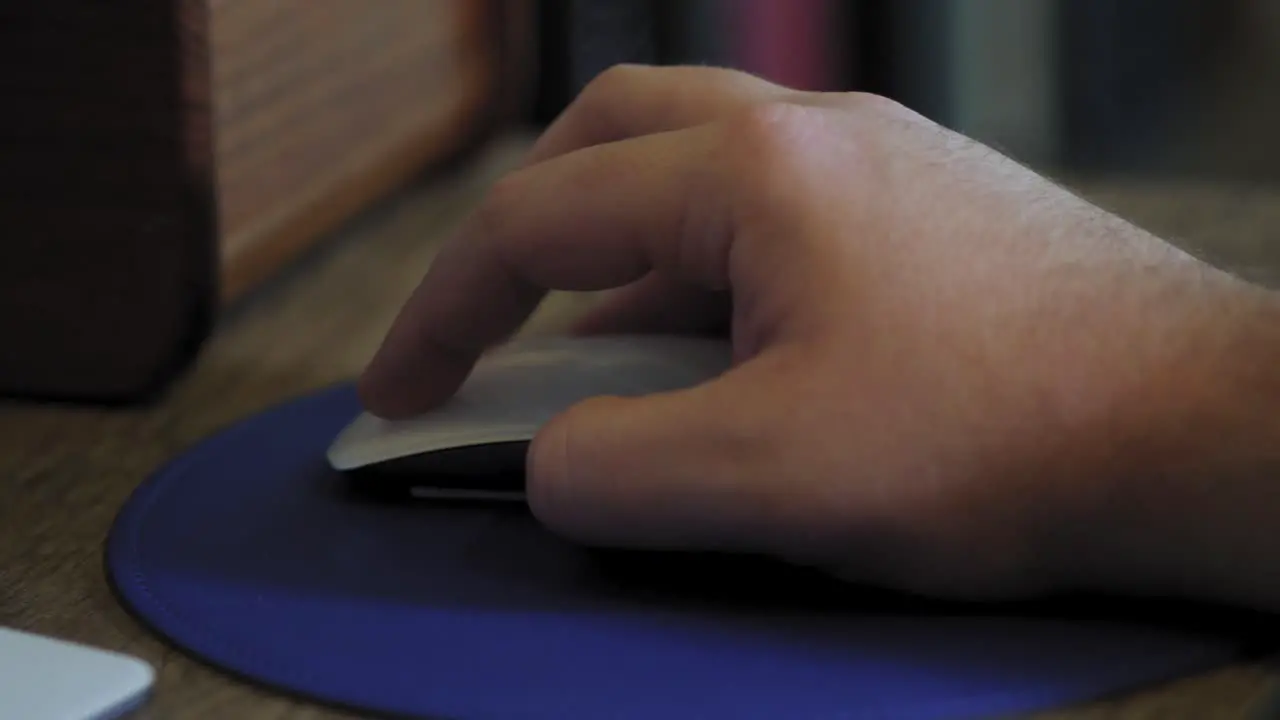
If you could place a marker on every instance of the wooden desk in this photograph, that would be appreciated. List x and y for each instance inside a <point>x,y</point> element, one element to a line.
<point>64,472</point>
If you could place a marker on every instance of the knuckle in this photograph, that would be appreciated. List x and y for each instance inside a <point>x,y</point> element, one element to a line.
<point>874,102</point>
<point>769,127</point>
<point>767,142</point>
<point>875,109</point>
<point>490,216</point>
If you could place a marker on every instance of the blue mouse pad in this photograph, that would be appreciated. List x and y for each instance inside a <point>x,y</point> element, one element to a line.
<point>250,554</point>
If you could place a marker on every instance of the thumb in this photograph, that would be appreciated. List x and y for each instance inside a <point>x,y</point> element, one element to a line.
<point>672,470</point>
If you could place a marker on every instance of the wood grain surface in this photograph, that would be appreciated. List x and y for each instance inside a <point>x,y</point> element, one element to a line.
<point>64,472</point>
<point>163,157</point>
<point>321,106</point>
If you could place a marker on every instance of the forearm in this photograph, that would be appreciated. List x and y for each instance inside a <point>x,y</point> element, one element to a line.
<point>1190,505</point>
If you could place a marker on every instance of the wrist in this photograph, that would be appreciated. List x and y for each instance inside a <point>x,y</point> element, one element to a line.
<point>1179,478</point>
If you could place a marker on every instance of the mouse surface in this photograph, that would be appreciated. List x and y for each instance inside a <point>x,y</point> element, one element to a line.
<point>473,446</point>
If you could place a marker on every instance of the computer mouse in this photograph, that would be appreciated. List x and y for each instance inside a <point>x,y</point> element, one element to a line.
<point>473,446</point>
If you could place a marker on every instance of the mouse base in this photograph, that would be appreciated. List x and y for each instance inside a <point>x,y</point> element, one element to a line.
<point>480,473</point>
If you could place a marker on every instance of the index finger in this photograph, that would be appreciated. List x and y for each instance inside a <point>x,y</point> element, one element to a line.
<point>592,219</point>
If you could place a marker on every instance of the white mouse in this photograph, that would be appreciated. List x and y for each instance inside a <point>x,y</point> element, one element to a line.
<point>473,446</point>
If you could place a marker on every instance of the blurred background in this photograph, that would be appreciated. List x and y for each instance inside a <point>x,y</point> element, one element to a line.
<point>1148,87</point>
<point>165,161</point>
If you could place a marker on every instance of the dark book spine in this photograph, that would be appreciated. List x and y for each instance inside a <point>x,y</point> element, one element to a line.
<point>695,32</point>
<point>578,39</point>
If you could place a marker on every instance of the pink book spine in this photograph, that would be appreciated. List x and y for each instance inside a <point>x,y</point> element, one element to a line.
<point>786,41</point>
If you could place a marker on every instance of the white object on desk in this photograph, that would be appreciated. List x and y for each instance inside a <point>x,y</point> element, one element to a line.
<point>515,389</point>
<point>42,678</point>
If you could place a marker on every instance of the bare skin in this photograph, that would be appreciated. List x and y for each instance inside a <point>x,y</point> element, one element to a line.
<point>952,375</point>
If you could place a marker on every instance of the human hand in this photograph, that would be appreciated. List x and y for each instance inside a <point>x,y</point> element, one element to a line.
<point>945,365</point>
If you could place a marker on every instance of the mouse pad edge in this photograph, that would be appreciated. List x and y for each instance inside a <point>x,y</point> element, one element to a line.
<point>152,614</point>
<point>133,597</point>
